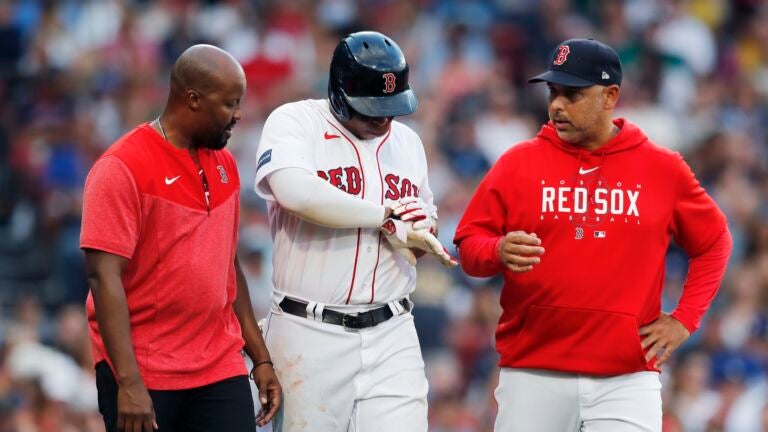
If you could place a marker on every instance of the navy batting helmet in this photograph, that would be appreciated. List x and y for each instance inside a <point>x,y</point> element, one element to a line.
<point>369,75</point>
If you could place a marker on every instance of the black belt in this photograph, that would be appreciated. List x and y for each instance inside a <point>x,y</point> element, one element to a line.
<point>355,321</point>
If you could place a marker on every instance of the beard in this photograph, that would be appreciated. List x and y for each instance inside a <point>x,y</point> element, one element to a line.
<point>216,140</point>
<point>217,144</point>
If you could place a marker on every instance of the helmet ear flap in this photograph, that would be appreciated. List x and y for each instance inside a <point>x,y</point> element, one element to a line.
<point>338,104</point>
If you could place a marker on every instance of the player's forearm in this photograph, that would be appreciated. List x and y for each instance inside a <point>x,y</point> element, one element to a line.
<point>705,272</point>
<point>254,341</point>
<point>479,255</point>
<point>317,201</point>
<point>112,316</point>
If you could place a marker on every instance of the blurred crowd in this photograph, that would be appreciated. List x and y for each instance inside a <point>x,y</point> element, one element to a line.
<point>77,74</point>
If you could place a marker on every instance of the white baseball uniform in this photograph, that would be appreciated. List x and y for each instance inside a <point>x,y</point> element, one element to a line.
<point>336,379</point>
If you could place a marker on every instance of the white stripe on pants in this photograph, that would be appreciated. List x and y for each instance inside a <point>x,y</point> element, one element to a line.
<point>545,401</point>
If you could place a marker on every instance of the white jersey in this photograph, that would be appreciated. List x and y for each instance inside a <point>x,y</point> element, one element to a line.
<point>354,266</point>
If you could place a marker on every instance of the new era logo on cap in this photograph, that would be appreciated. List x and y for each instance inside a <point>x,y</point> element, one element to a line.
<point>582,63</point>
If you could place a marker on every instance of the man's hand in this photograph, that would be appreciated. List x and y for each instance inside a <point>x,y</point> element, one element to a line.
<point>665,334</point>
<point>134,407</point>
<point>520,251</point>
<point>403,235</point>
<point>410,209</point>
<point>270,392</point>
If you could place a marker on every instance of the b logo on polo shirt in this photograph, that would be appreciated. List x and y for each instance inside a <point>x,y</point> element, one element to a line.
<point>223,174</point>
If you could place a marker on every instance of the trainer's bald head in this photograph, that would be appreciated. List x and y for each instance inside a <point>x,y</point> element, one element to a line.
<point>207,85</point>
<point>204,68</point>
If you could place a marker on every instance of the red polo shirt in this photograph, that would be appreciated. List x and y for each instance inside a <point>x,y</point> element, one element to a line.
<point>144,200</point>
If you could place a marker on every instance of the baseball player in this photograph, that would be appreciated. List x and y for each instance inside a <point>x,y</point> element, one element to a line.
<point>578,221</point>
<point>348,200</point>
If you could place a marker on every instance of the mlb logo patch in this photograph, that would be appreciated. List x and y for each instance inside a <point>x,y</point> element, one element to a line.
<point>599,234</point>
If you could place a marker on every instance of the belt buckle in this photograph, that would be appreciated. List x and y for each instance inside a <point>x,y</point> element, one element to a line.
<point>344,321</point>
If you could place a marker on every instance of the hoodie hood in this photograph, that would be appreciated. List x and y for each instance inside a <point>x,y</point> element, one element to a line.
<point>629,136</point>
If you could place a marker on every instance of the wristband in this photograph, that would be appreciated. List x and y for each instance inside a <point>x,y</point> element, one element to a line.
<point>259,364</point>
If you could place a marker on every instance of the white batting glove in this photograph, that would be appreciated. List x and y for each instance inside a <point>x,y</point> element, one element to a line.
<point>402,235</point>
<point>412,209</point>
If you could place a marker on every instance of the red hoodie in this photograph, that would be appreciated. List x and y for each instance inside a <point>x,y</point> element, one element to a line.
<point>605,219</point>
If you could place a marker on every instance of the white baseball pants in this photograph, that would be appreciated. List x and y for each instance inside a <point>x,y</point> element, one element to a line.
<point>337,380</point>
<point>544,401</point>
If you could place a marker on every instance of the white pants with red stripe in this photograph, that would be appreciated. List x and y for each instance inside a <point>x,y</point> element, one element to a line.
<point>337,380</point>
<point>545,401</point>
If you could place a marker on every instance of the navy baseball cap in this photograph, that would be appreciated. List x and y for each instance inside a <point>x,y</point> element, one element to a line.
<point>582,63</point>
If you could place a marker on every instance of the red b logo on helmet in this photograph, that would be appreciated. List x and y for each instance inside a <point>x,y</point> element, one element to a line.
<point>562,55</point>
<point>389,82</point>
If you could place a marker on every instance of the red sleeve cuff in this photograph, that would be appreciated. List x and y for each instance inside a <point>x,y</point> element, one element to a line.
<point>479,256</point>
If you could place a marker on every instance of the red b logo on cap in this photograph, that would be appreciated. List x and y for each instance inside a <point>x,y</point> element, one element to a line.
<point>389,82</point>
<point>562,55</point>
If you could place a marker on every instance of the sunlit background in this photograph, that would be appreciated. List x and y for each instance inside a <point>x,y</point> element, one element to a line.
<point>76,75</point>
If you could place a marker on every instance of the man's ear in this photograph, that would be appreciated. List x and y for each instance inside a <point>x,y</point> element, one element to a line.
<point>611,94</point>
<point>193,100</point>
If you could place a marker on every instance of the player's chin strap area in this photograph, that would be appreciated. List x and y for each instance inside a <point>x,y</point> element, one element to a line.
<point>351,321</point>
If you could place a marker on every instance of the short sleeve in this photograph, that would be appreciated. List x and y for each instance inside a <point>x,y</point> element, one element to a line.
<point>697,221</point>
<point>111,209</point>
<point>285,143</point>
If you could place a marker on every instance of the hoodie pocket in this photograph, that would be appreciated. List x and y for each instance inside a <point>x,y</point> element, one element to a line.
<point>578,340</point>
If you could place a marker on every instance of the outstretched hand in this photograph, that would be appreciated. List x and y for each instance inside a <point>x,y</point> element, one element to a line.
<point>663,336</point>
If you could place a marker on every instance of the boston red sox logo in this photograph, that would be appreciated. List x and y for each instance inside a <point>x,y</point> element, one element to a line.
<point>579,233</point>
<point>223,174</point>
<point>389,82</point>
<point>562,55</point>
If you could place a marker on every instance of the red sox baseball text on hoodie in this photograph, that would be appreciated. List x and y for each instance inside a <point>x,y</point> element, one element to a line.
<point>605,219</point>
